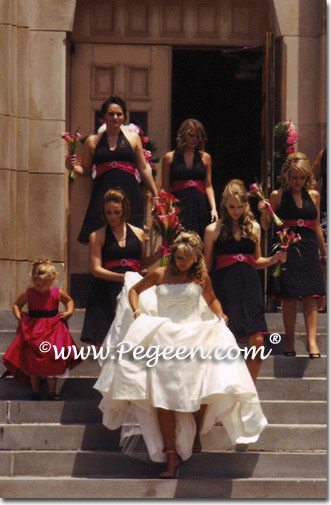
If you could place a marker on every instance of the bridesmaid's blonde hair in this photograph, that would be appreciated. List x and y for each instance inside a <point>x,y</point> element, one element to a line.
<point>236,189</point>
<point>300,162</point>
<point>190,245</point>
<point>187,125</point>
<point>44,270</point>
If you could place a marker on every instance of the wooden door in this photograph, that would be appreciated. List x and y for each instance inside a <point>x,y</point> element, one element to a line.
<point>268,122</point>
<point>142,76</point>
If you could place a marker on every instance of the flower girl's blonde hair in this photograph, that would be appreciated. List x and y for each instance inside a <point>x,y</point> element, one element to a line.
<point>44,270</point>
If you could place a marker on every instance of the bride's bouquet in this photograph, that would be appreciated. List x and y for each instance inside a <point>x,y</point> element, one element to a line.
<point>166,222</point>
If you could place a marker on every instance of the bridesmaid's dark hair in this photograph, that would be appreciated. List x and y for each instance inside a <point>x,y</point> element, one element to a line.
<point>113,99</point>
<point>118,196</point>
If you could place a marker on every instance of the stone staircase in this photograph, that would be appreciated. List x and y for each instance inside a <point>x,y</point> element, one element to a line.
<point>61,449</point>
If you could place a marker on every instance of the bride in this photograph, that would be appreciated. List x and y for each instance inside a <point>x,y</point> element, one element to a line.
<point>167,367</point>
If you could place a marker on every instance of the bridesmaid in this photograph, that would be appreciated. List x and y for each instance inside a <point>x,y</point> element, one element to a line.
<point>235,240</point>
<point>115,153</point>
<point>186,172</point>
<point>298,205</point>
<point>116,248</point>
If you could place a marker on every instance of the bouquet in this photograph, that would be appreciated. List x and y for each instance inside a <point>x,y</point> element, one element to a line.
<point>286,239</point>
<point>73,140</point>
<point>256,190</point>
<point>285,136</point>
<point>166,222</point>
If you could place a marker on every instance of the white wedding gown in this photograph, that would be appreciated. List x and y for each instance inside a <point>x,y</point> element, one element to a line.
<point>175,315</point>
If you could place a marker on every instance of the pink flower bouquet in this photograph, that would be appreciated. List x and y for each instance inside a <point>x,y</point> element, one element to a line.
<point>286,239</point>
<point>256,190</point>
<point>73,140</point>
<point>285,136</point>
<point>166,222</point>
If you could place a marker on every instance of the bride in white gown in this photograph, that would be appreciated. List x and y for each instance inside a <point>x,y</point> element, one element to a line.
<point>173,399</point>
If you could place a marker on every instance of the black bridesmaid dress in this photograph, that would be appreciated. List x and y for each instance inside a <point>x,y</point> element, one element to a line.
<point>301,274</point>
<point>114,177</point>
<point>102,300</point>
<point>195,209</point>
<point>238,288</point>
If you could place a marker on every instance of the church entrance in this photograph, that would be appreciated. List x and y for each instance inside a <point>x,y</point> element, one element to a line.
<point>222,88</point>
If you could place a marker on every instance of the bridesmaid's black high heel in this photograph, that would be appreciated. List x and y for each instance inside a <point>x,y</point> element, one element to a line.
<point>290,354</point>
<point>313,355</point>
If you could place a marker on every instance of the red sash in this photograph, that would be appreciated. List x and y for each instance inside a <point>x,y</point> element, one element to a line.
<point>292,223</point>
<point>179,185</point>
<point>226,260</point>
<point>120,165</point>
<point>132,263</point>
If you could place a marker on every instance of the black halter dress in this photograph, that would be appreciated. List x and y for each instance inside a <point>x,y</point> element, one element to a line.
<point>239,289</point>
<point>101,303</point>
<point>115,177</point>
<point>195,210</point>
<point>301,274</point>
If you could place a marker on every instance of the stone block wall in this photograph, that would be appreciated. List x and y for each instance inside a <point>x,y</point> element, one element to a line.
<point>33,183</point>
<point>301,24</point>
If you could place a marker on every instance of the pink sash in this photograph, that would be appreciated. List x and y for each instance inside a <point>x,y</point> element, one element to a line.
<point>292,223</point>
<point>132,263</point>
<point>179,185</point>
<point>226,260</point>
<point>120,165</point>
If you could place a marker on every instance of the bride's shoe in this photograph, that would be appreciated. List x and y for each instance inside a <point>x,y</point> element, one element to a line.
<point>174,473</point>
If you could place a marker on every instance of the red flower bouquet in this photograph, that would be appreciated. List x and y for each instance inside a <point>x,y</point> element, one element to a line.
<point>286,239</point>
<point>73,140</point>
<point>285,136</point>
<point>166,222</point>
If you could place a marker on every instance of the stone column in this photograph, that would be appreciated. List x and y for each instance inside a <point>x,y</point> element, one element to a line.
<point>299,23</point>
<point>33,183</point>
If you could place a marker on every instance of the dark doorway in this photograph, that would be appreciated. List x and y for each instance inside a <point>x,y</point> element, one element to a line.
<point>222,88</point>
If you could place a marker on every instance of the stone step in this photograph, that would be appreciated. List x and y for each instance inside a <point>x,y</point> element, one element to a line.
<point>87,412</point>
<point>97,437</point>
<point>70,487</point>
<point>7,336</point>
<point>272,366</point>
<point>274,320</point>
<point>300,366</point>
<point>214,465</point>
<point>268,388</point>
<point>289,437</point>
<point>303,389</point>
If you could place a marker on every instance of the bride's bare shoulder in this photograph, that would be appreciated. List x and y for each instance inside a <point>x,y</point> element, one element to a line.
<point>158,275</point>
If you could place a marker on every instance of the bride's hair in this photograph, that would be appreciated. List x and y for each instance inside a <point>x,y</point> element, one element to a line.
<point>190,245</point>
<point>236,189</point>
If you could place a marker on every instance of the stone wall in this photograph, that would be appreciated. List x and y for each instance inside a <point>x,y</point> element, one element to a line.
<point>301,24</point>
<point>33,185</point>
